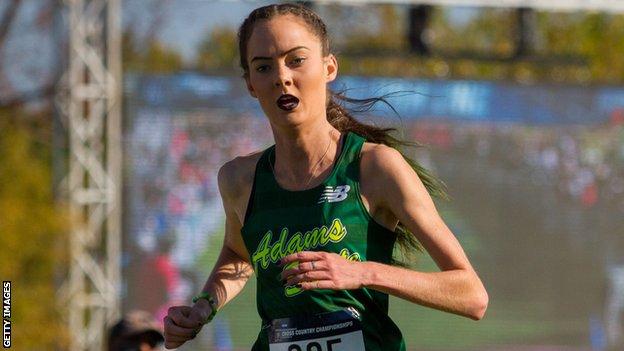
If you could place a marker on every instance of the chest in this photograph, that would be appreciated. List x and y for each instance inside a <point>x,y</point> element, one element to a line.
<point>322,204</point>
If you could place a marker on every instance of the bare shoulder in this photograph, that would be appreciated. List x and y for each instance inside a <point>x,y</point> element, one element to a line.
<point>387,177</point>
<point>380,158</point>
<point>379,164</point>
<point>235,180</point>
<point>383,168</point>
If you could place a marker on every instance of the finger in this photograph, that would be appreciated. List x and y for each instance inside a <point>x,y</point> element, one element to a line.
<point>174,330</point>
<point>319,284</point>
<point>304,267</point>
<point>199,316</point>
<point>298,269</point>
<point>179,316</point>
<point>303,256</point>
<point>307,277</point>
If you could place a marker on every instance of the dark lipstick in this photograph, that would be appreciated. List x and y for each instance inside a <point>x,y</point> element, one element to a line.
<point>287,102</point>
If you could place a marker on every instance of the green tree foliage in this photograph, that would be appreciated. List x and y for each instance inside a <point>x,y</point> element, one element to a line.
<point>488,32</point>
<point>151,57</point>
<point>219,50</point>
<point>372,40</point>
<point>595,38</point>
<point>32,234</point>
<point>602,41</point>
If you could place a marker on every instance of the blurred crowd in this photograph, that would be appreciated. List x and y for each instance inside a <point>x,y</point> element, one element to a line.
<point>585,165</point>
<point>578,174</point>
<point>175,207</point>
<point>174,159</point>
<point>172,191</point>
<point>173,181</point>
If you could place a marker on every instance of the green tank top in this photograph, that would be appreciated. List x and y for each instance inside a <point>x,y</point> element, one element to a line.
<point>330,217</point>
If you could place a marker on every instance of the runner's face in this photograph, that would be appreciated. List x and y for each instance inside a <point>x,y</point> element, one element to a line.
<point>284,57</point>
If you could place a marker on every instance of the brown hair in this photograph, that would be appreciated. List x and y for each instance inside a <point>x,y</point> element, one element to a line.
<point>339,116</point>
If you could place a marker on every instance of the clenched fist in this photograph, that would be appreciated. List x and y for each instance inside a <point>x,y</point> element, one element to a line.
<point>182,323</point>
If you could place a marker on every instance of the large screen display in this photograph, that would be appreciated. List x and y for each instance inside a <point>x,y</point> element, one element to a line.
<point>535,176</point>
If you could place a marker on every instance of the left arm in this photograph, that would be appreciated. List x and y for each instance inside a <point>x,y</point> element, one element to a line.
<point>396,189</point>
<point>455,291</point>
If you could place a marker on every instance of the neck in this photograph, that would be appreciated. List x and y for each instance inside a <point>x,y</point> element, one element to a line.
<point>305,155</point>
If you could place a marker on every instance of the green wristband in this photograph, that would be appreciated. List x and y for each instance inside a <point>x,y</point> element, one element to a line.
<point>213,305</point>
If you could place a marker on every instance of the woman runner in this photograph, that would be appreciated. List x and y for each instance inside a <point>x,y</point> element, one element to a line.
<point>316,216</point>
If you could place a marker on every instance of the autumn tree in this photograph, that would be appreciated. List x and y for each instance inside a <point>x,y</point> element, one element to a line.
<point>568,47</point>
<point>218,50</point>
<point>151,57</point>
<point>32,226</point>
<point>33,234</point>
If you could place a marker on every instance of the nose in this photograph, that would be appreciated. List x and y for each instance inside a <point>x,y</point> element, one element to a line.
<point>283,78</point>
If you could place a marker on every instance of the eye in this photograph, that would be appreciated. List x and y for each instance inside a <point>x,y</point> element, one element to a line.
<point>262,68</point>
<point>298,61</point>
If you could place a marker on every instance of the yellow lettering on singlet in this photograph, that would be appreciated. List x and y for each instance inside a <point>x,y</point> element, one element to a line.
<point>294,244</point>
<point>277,249</point>
<point>337,231</point>
<point>262,252</point>
<point>351,257</point>
<point>318,236</point>
<point>312,238</point>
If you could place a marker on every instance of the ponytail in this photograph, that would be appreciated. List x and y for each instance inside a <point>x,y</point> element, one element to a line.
<point>341,118</point>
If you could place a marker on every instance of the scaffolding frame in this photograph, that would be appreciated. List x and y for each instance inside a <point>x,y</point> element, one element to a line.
<point>91,106</point>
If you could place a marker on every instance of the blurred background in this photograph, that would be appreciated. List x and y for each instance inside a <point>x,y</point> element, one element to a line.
<point>115,117</point>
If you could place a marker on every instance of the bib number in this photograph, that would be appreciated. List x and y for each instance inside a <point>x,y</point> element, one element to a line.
<point>317,346</point>
<point>333,331</point>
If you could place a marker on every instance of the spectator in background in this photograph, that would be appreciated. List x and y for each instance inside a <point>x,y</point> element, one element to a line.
<point>136,331</point>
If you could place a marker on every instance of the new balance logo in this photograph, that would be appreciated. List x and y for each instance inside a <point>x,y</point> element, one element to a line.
<point>331,194</point>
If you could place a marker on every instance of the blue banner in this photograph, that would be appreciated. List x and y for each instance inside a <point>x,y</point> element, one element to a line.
<point>461,100</point>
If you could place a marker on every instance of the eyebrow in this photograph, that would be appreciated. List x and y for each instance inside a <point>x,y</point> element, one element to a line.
<point>282,54</point>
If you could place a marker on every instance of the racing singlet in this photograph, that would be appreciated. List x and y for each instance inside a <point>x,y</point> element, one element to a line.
<point>330,217</point>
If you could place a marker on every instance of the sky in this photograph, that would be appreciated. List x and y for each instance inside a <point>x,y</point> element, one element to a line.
<point>186,22</point>
<point>29,54</point>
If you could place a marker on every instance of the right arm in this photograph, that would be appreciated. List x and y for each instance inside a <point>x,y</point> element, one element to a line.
<point>232,269</point>
<point>230,273</point>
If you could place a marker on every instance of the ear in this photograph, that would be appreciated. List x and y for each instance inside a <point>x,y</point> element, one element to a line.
<point>249,87</point>
<point>331,67</point>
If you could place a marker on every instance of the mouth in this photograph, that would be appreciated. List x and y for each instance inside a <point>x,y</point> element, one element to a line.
<point>287,102</point>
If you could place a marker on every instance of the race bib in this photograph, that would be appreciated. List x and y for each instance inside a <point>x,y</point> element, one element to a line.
<point>331,331</point>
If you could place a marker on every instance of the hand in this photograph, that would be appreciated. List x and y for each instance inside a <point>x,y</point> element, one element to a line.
<point>323,270</point>
<point>183,323</point>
